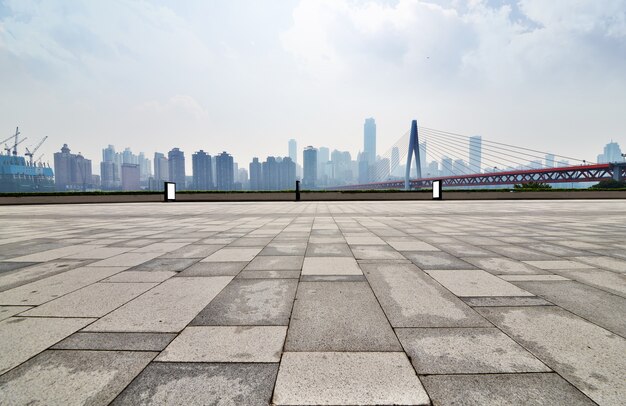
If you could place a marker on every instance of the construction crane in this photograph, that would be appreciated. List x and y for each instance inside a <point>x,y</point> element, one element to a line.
<point>30,154</point>
<point>14,147</point>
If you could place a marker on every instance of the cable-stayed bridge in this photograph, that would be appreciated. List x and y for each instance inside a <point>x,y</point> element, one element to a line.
<point>462,161</point>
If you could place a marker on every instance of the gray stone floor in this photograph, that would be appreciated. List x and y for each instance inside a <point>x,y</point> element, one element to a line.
<point>343,303</point>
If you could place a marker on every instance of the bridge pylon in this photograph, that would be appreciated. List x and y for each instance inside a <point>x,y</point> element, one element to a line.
<point>414,148</point>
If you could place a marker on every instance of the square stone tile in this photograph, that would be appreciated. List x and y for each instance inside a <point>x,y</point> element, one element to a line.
<point>36,272</point>
<point>268,275</point>
<point>475,282</point>
<point>370,240</point>
<point>330,266</point>
<point>283,248</point>
<point>503,389</point>
<point>339,378</point>
<point>588,356</point>
<point>328,250</point>
<point>506,301</point>
<point>166,264</point>
<point>193,251</point>
<point>116,341</point>
<point>167,308</point>
<point>609,263</point>
<point>436,260</point>
<point>141,276</point>
<point>183,384</point>
<point>338,316</point>
<point>465,351</point>
<point>560,264</point>
<point>28,336</point>
<point>78,377</point>
<point>414,245</point>
<point>275,263</point>
<point>91,301</point>
<point>411,298</point>
<point>214,269</point>
<point>99,253</point>
<point>375,252</point>
<point>227,344</point>
<point>608,281</point>
<point>128,259</point>
<point>246,302</point>
<point>504,266</point>
<point>235,254</point>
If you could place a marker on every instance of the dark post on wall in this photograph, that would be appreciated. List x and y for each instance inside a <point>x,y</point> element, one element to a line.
<point>297,191</point>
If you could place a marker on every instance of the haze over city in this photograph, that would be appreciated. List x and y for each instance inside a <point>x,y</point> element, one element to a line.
<point>247,76</point>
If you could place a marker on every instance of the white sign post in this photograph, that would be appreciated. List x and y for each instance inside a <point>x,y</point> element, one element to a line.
<point>437,190</point>
<point>170,191</point>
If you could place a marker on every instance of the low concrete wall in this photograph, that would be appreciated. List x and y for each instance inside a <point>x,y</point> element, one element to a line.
<point>311,196</point>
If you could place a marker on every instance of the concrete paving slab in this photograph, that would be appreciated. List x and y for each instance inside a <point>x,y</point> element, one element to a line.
<point>161,247</point>
<point>414,245</point>
<point>236,254</point>
<point>13,279</point>
<point>375,252</point>
<point>594,305</point>
<point>326,240</point>
<point>411,298</point>
<point>330,266</point>
<point>183,384</point>
<point>506,301</point>
<point>226,344</point>
<point>193,251</point>
<point>251,242</point>
<point>28,336</point>
<point>504,266</point>
<point>465,351</point>
<point>436,260</point>
<point>214,269</point>
<point>338,316</point>
<point>275,263</point>
<point>608,263</point>
<point>475,282</point>
<point>285,248</point>
<point>521,253</point>
<point>246,302</point>
<point>167,308</point>
<point>588,356</point>
<point>608,281</point>
<point>539,389</point>
<point>328,250</point>
<point>465,250</point>
<point>335,378</point>
<point>99,253</point>
<point>165,264</point>
<point>268,275</point>
<point>91,301</point>
<point>333,278</point>
<point>141,276</point>
<point>44,290</point>
<point>8,311</point>
<point>522,278</point>
<point>53,254</point>
<point>128,259</point>
<point>559,264</point>
<point>72,377</point>
<point>11,266</point>
<point>116,341</point>
<point>371,240</point>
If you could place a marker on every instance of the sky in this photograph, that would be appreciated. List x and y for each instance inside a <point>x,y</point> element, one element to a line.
<point>245,76</point>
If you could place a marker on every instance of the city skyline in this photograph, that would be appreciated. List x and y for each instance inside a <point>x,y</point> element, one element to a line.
<point>545,75</point>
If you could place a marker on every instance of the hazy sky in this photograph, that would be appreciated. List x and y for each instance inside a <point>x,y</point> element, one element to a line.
<point>245,76</point>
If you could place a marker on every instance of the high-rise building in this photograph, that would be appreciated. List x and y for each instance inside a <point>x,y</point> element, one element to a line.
<point>202,173</point>
<point>71,171</point>
<point>309,180</point>
<point>130,177</point>
<point>176,168</point>
<point>446,166</point>
<point>550,160</point>
<point>270,174</point>
<point>323,156</point>
<point>363,165</point>
<point>161,169</point>
<point>286,174</point>
<point>225,177</point>
<point>109,169</point>
<point>475,153</point>
<point>256,175</point>
<point>612,153</point>
<point>242,178</point>
<point>369,140</point>
<point>144,167</point>
<point>293,150</point>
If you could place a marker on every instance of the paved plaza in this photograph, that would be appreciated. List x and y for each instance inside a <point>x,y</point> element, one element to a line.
<point>314,303</point>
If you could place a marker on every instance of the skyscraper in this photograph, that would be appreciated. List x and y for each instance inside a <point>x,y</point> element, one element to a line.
<point>286,174</point>
<point>323,156</point>
<point>71,171</point>
<point>202,173</point>
<point>225,177</point>
<point>369,140</point>
<point>550,160</point>
<point>270,174</point>
<point>130,177</point>
<point>612,153</point>
<point>293,150</point>
<point>176,167</point>
<point>256,179</point>
<point>161,169</point>
<point>109,169</point>
<point>310,167</point>
<point>475,153</point>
